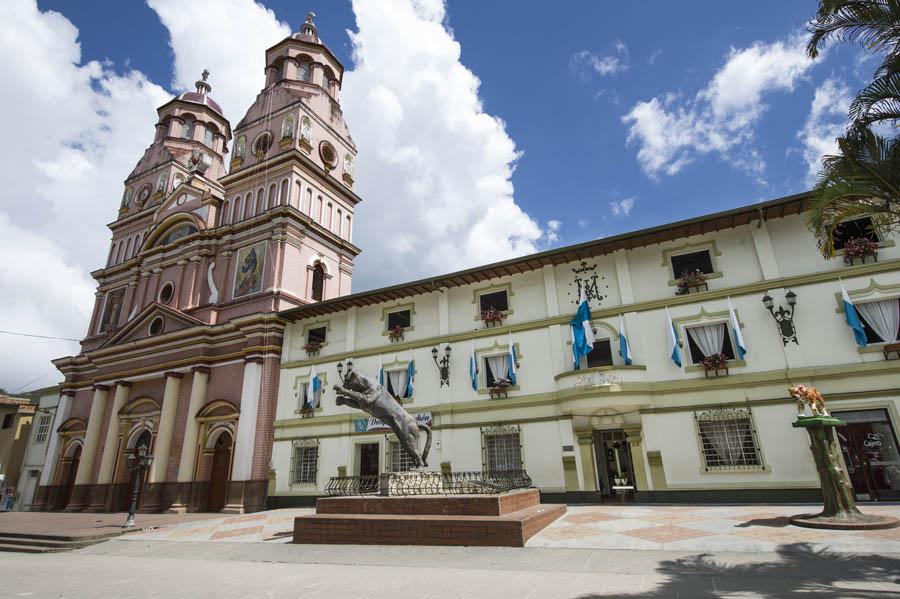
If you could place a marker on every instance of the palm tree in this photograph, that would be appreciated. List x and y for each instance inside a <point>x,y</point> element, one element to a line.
<point>864,179</point>
<point>875,25</point>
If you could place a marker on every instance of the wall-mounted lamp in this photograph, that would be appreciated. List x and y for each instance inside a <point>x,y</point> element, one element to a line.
<point>340,369</point>
<point>443,365</point>
<point>784,318</point>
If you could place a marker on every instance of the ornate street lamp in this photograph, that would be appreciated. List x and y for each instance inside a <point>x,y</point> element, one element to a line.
<point>784,318</point>
<point>139,461</point>
<point>443,365</point>
<point>340,368</point>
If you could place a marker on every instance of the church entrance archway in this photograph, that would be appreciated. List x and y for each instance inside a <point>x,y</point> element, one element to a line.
<point>221,466</point>
<point>72,470</point>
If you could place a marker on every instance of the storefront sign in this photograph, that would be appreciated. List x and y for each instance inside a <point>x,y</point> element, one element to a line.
<point>369,425</point>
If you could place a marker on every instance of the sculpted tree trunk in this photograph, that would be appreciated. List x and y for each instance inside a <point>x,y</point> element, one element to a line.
<point>837,491</point>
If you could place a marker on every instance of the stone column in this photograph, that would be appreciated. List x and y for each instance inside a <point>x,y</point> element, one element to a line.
<point>96,316</point>
<point>633,437</point>
<point>246,430</point>
<point>189,447</point>
<point>108,461</point>
<point>586,447</point>
<point>166,426</point>
<point>89,450</point>
<point>65,397</point>
<point>765,252</point>
<point>194,283</point>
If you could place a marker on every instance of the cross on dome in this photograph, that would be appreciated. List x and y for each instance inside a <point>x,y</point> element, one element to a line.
<point>203,87</point>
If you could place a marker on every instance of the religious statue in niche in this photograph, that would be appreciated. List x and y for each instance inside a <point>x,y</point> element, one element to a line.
<point>305,129</point>
<point>250,267</point>
<point>112,309</point>
<point>593,284</point>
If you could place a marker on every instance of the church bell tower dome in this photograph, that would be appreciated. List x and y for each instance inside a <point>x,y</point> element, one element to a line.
<point>201,96</point>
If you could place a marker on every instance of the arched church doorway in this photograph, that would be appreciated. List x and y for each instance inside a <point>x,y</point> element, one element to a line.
<point>143,439</point>
<point>69,480</point>
<point>218,481</point>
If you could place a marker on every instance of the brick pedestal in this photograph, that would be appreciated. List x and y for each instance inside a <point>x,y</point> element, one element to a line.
<point>506,520</point>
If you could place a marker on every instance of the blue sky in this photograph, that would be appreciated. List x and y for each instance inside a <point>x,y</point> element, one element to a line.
<point>494,128</point>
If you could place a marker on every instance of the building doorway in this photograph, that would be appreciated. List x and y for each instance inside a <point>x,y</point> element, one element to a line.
<point>145,439</point>
<point>369,454</point>
<point>615,472</point>
<point>218,481</point>
<point>69,480</point>
<point>869,445</point>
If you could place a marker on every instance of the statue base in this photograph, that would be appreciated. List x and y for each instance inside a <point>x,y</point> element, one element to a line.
<point>840,511</point>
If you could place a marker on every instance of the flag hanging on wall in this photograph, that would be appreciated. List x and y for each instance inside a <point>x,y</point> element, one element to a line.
<point>410,373</point>
<point>736,332</point>
<point>380,372</point>
<point>314,391</point>
<point>672,341</point>
<point>473,368</point>
<point>512,361</point>
<point>624,350</point>
<point>582,331</point>
<point>853,318</point>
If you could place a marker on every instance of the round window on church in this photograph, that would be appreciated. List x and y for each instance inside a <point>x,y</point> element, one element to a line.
<point>166,293</point>
<point>157,325</point>
<point>328,155</point>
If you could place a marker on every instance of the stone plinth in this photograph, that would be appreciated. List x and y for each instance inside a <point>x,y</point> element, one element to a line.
<point>502,520</point>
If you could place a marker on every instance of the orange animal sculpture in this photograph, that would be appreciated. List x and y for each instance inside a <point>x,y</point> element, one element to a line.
<point>808,396</point>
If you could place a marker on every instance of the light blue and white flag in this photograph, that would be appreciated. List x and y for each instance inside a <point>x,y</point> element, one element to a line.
<point>582,331</point>
<point>624,350</point>
<point>736,332</point>
<point>672,341</point>
<point>473,368</point>
<point>380,372</point>
<point>512,361</point>
<point>853,318</point>
<point>314,390</point>
<point>410,374</point>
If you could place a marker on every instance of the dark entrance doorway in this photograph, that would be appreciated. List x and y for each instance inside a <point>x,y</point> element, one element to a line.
<point>615,471</point>
<point>218,481</point>
<point>869,445</point>
<point>69,480</point>
<point>368,467</point>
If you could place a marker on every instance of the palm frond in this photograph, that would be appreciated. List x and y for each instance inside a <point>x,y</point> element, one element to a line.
<point>878,101</point>
<point>873,24</point>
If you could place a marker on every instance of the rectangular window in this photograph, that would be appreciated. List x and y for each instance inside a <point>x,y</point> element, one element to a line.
<point>208,137</point>
<point>399,460</point>
<point>707,340</point>
<point>401,318</point>
<point>316,335</point>
<point>503,450</point>
<point>601,355</point>
<point>8,420</point>
<point>880,320</point>
<point>43,429</point>
<point>860,228</point>
<point>728,439</point>
<point>497,299</point>
<point>305,463</point>
<point>691,262</point>
<point>397,382</point>
<point>495,367</point>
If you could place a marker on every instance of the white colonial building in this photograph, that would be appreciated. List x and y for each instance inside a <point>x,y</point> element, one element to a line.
<point>648,431</point>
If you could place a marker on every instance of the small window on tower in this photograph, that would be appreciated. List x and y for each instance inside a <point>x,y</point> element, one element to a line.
<point>187,129</point>
<point>262,143</point>
<point>239,146</point>
<point>303,71</point>
<point>318,283</point>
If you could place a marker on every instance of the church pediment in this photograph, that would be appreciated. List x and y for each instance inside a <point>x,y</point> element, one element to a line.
<point>154,320</point>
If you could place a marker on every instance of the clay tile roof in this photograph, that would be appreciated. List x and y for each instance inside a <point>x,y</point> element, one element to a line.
<point>198,98</point>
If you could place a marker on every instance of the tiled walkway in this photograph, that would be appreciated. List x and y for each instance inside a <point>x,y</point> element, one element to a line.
<point>749,528</point>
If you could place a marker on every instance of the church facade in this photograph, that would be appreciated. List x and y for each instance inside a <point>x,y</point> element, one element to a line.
<point>183,351</point>
<point>701,326</point>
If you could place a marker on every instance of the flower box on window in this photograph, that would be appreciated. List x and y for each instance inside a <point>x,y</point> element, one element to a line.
<point>499,388</point>
<point>395,333</point>
<point>312,348</point>
<point>492,317</point>
<point>691,282</point>
<point>715,363</point>
<point>891,348</point>
<point>859,248</point>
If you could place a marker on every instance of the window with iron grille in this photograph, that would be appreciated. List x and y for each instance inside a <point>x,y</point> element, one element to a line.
<point>502,449</point>
<point>43,429</point>
<point>305,462</point>
<point>728,439</point>
<point>398,459</point>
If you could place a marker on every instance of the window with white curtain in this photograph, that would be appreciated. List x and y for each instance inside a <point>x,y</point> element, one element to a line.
<point>880,319</point>
<point>495,368</point>
<point>707,340</point>
<point>728,439</point>
<point>397,380</point>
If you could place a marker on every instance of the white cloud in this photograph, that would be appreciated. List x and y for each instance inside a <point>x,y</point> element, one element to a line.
<point>79,128</point>
<point>672,130</point>
<point>826,121</point>
<point>622,207</point>
<point>553,230</point>
<point>583,222</point>
<point>654,55</point>
<point>584,63</point>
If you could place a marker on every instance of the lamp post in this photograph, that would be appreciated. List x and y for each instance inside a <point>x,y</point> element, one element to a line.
<point>784,318</point>
<point>443,365</point>
<point>139,461</point>
<point>340,369</point>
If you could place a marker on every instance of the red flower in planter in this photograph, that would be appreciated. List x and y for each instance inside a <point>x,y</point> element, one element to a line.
<point>715,362</point>
<point>492,315</point>
<point>859,247</point>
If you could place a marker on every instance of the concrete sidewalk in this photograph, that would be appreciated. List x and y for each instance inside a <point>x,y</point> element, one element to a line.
<point>224,570</point>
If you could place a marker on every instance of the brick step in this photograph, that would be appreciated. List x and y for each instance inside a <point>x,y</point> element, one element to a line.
<point>96,537</point>
<point>509,530</point>
<point>38,542</point>
<point>439,505</point>
<point>29,549</point>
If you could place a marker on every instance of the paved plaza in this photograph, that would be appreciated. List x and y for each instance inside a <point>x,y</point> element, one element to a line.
<point>592,552</point>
